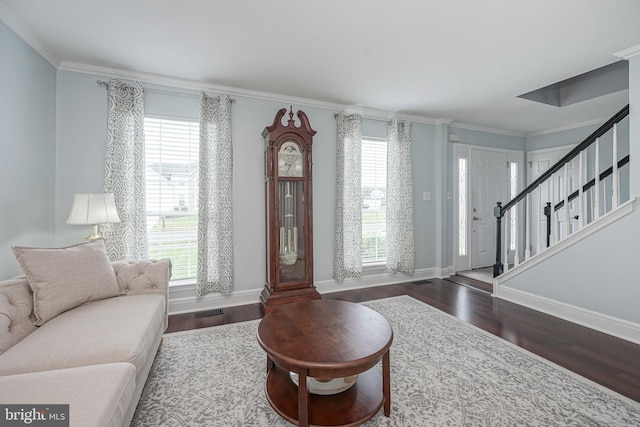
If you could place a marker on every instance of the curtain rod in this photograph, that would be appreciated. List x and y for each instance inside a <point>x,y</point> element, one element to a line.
<point>106,85</point>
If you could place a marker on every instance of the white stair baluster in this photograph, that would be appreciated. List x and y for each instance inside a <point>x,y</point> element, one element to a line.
<point>615,197</point>
<point>596,186</point>
<point>514,218</point>
<point>507,227</point>
<point>552,216</point>
<point>567,217</point>
<point>581,213</point>
<point>539,216</point>
<point>527,229</point>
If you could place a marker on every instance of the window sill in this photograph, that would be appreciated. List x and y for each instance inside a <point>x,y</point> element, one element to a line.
<point>182,282</point>
<point>374,267</point>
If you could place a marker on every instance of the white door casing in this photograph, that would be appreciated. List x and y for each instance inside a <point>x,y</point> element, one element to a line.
<point>468,198</point>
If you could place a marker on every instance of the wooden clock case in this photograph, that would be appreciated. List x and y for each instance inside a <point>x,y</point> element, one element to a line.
<point>289,211</point>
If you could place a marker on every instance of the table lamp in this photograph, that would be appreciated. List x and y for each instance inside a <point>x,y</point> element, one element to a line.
<point>93,209</point>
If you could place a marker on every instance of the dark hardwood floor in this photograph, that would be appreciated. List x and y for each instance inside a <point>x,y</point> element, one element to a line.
<point>607,360</point>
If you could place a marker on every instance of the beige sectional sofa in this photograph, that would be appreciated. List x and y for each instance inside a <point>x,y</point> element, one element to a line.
<point>81,330</point>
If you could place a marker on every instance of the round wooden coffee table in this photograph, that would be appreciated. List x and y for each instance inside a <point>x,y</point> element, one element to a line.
<point>326,339</point>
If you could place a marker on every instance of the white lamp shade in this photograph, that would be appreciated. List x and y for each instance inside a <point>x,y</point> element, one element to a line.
<point>93,208</point>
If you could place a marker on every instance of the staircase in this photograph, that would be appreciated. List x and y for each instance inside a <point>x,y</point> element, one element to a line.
<point>585,190</point>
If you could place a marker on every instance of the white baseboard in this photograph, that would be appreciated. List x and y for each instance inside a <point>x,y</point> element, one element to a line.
<point>620,328</point>
<point>182,299</point>
<point>328,286</point>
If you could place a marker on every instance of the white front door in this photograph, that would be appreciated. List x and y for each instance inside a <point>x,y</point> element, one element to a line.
<point>489,184</point>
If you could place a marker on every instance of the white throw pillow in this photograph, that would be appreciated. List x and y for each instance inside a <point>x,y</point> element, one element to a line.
<point>64,278</point>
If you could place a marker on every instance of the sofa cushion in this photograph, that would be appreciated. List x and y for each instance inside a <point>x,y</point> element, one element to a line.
<point>97,395</point>
<point>16,303</point>
<point>64,278</point>
<point>120,329</point>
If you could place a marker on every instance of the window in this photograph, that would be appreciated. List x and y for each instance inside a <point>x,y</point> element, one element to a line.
<point>374,201</point>
<point>462,206</point>
<point>171,158</point>
<point>513,185</point>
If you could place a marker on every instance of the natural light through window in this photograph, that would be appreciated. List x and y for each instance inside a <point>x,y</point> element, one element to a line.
<point>513,186</point>
<point>374,201</point>
<point>462,206</point>
<point>171,157</point>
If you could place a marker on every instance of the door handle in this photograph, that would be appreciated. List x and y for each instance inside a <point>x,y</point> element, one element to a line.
<point>475,218</point>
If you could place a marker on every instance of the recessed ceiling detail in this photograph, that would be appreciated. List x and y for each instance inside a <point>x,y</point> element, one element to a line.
<point>593,84</point>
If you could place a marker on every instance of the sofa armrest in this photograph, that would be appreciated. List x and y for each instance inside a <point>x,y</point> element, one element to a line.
<point>143,276</point>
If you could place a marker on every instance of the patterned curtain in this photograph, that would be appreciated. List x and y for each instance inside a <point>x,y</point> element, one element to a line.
<point>347,258</point>
<point>400,245</point>
<point>215,210</point>
<point>124,171</point>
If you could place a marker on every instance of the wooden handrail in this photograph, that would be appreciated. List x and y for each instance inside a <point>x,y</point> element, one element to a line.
<point>500,210</point>
<point>568,157</point>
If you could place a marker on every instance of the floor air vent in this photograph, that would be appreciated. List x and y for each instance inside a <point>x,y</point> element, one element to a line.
<point>208,313</point>
<point>422,282</point>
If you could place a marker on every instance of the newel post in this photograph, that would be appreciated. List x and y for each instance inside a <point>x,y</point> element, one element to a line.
<point>498,267</point>
<point>547,213</point>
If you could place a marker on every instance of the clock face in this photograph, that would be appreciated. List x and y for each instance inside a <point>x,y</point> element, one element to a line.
<point>290,160</point>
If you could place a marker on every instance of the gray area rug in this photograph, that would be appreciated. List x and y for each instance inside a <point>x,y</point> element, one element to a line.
<point>444,372</point>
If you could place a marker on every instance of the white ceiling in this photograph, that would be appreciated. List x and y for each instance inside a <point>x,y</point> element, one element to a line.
<point>463,60</point>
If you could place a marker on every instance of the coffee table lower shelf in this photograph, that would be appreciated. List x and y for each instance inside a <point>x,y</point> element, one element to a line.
<point>348,408</point>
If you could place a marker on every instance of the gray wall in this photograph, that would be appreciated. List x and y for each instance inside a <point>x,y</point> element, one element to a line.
<point>27,149</point>
<point>593,274</point>
<point>54,132</point>
<point>488,139</point>
<point>82,132</point>
<point>572,136</point>
<point>80,148</point>
<point>634,122</point>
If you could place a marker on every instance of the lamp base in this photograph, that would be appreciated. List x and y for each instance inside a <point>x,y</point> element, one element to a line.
<point>96,233</point>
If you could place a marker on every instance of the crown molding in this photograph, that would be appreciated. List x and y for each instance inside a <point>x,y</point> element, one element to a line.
<point>598,121</point>
<point>28,36</point>
<point>486,129</point>
<point>195,85</point>
<point>444,121</point>
<point>629,52</point>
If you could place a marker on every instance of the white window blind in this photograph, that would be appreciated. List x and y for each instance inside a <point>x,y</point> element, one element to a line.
<point>374,201</point>
<point>171,158</point>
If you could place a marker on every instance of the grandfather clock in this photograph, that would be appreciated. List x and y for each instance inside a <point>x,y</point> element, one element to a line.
<point>289,216</point>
